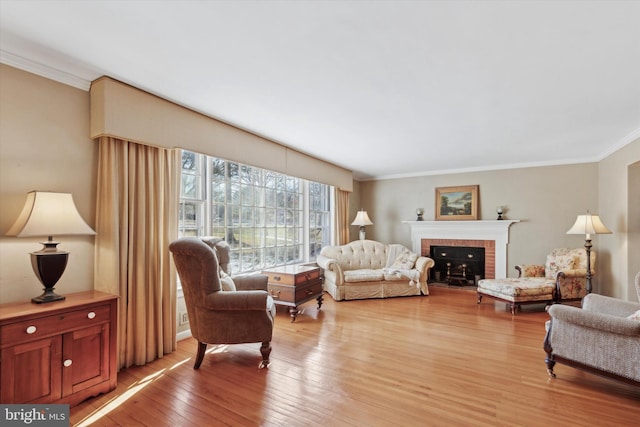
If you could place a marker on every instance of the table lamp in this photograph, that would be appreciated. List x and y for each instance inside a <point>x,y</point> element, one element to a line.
<point>362,219</point>
<point>45,214</point>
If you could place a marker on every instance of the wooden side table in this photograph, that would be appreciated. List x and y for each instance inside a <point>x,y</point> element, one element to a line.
<point>59,352</point>
<point>293,285</point>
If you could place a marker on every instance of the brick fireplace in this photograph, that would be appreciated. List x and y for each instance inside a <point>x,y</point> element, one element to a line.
<point>493,236</point>
<point>488,245</point>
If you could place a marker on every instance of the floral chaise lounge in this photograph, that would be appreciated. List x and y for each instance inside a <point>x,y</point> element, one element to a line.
<point>370,269</point>
<point>562,278</point>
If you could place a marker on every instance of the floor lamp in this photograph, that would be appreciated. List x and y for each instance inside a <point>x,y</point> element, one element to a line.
<point>588,224</point>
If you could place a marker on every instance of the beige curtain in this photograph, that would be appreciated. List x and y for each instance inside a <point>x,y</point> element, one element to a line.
<point>137,217</point>
<point>342,216</point>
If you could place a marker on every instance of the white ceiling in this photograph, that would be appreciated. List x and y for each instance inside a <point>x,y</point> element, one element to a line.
<point>384,88</point>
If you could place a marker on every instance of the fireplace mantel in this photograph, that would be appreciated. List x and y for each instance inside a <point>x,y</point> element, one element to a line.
<point>496,230</point>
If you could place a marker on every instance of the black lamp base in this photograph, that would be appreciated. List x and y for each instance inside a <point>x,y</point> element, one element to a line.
<point>47,296</point>
<point>48,265</point>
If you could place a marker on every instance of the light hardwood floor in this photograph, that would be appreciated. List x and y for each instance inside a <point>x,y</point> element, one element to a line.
<point>440,360</point>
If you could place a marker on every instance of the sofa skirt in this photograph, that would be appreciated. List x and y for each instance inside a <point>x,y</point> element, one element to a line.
<point>366,290</point>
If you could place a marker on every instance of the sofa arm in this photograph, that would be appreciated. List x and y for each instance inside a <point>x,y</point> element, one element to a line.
<point>251,282</point>
<point>530,270</point>
<point>330,264</point>
<point>423,264</point>
<point>608,305</point>
<point>236,300</point>
<point>594,320</point>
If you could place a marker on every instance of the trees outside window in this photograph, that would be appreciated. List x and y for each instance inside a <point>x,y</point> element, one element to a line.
<point>268,219</point>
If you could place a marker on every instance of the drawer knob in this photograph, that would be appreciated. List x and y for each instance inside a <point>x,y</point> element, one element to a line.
<point>309,292</point>
<point>275,294</point>
<point>31,330</point>
<point>67,363</point>
<point>91,314</point>
<point>277,278</point>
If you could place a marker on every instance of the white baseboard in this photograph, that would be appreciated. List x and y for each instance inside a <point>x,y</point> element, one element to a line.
<point>183,335</point>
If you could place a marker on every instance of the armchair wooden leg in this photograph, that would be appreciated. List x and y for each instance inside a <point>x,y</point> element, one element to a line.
<point>265,349</point>
<point>202,347</point>
<point>550,364</point>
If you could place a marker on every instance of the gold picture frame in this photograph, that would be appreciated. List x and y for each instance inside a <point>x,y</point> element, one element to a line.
<point>457,203</point>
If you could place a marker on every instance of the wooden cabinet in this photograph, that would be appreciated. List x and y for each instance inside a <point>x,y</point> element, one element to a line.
<point>61,352</point>
<point>293,285</point>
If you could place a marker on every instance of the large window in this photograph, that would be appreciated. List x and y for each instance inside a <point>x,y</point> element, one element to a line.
<point>267,218</point>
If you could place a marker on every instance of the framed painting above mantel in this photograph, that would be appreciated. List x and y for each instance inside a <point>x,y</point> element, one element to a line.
<point>457,203</point>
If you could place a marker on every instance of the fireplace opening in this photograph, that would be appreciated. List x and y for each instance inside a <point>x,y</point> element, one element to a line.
<point>457,265</point>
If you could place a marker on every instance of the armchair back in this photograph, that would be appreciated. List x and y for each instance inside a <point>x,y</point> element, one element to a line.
<point>563,259</point>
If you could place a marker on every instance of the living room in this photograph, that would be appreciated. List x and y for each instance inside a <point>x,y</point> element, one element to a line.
<point>46,145</point>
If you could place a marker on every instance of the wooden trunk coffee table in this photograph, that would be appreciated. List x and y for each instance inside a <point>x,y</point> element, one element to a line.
<point>293,285</point>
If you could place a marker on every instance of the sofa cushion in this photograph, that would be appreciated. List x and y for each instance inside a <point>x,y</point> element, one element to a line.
<point>405,260</point>
<point>363,275</point>
<point>393,274</point>
<point>533,286</point>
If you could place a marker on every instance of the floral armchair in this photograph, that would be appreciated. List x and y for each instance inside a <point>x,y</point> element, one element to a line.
<point>567,268</point>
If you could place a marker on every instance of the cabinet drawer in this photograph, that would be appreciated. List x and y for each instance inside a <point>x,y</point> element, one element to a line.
<point>293,294</point>
<point>306,292</point>
<point>284,293</point>
<point>28,330</point>
<point>290,278</point>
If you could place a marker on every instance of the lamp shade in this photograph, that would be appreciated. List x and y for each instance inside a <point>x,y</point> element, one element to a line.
<point>47,214</point>
<point>588,224</point>
<point>362,219</point>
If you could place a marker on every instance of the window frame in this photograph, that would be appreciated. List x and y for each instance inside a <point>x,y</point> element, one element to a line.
<point>255,217</point>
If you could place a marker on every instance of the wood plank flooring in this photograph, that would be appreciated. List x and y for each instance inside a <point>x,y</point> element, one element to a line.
<point>440,360</point>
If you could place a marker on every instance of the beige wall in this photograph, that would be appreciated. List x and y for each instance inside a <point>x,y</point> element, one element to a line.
<point>633,254</point>
<point>44,145</point>
<point>619,197</point>
<point>545,199</point>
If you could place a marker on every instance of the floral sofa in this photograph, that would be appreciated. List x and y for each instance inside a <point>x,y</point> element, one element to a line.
<point>369,269</point>
<point>561,278</point>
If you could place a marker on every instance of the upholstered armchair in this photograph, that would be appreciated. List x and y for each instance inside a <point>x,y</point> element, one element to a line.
<point>602,337</point>
<point>241,314</point>
<point>566,269</point>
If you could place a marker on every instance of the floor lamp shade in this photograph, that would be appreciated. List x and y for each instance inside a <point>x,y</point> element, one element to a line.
<point>361,220</point>
<point>49,214</point>
<point>588,224</point>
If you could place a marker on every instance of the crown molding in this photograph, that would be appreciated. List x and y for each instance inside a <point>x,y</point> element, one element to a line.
<point>483,169</point>
<point>43,70</point>
<point>618,145</point>
<point>609,151</point>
